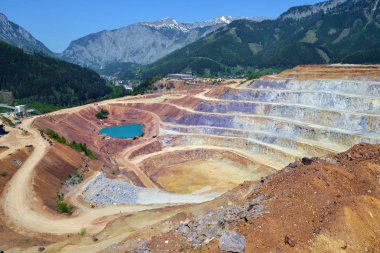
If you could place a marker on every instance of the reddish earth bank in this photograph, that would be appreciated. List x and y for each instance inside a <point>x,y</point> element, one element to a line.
<point>52,171</point>
<point>329,205</point>
<point>8,237</point>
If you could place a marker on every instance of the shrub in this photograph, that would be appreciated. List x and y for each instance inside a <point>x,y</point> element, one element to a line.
<point>74,178</point>
<point>82,147</point>
<point>102,114</point>
<point>8,121</point>
<point>55,136</point>
<point>63,207</point>
<point>82,232</point>
<point>3,173</point>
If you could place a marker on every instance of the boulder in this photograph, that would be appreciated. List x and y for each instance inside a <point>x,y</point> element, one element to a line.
<point>232,242</point>
<point>289,241</point>
<point>307,161</point>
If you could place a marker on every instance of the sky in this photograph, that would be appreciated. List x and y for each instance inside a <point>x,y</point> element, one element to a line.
<point>58,22</point>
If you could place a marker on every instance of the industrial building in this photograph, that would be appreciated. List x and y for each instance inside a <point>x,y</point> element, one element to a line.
<point>21,111</point>
<point>185,77</point>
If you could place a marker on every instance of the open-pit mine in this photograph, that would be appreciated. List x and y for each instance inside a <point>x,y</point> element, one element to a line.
<point>207,155</point>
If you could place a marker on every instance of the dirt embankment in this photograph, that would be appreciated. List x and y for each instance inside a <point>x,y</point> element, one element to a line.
<point>52,171</point>
<point>83,127</point>
<point>147,149</point>
<point>153,165</point>
<point>370,72</point>
<point>166,112</point>
<point>322,205</point>
<point>8,237</point>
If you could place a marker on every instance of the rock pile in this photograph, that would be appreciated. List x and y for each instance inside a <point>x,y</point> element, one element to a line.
<point>214,224</point>
<point>232,242</point>
<point>102,191</point>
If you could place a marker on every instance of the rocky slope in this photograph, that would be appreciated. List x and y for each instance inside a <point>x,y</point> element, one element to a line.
<point>141,43</point>
<point>328,32</point>
<point>328,204</point>
<point>19,37</point>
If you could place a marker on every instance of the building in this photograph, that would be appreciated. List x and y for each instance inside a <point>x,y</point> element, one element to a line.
<point>185,77</point>
<point>129,88</point>
<point>21,111</point>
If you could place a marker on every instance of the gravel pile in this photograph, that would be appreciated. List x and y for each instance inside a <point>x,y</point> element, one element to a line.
<point>102,191</point>
<point>215,223</point>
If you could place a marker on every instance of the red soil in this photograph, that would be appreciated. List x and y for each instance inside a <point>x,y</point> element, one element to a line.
<point>147,149</point>
<point>83,127</point>
<point>52,171</point>
<point>332,72</point>
<point>331,205</point>
<point>8,237</point>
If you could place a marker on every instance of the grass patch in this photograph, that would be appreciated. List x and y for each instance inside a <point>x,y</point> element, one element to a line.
<point>53,135</point>
<point>8,121</point>
<point>44,108</point>
<point>264,72</point>
<point>80,147</point>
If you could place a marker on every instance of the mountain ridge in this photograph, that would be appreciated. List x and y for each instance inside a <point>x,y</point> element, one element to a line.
<point>16,35</point>
<point>141,43</point>
<point>327,32</point>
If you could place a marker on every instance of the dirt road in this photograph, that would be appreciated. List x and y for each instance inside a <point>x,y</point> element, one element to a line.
<point>17,201</point>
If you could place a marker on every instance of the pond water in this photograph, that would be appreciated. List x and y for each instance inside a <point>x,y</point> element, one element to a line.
<point>124,131</point>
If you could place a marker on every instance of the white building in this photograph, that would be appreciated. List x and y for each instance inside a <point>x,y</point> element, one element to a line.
<point>21,110</point>
<point>184,77</point>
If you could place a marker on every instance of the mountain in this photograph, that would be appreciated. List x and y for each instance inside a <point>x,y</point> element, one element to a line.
<point>43,80</point>
<point>141,43</point>
<point>19,37</point>
<point>328,32</point>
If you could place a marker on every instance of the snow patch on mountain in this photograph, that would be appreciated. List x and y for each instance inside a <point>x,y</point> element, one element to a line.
<point>141,43</point>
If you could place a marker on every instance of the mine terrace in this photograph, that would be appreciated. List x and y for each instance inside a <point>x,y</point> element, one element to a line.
<point>198,146</point>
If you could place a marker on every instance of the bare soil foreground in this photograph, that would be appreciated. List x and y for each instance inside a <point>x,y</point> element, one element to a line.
<point>329,205</point>
<point>285,163</point>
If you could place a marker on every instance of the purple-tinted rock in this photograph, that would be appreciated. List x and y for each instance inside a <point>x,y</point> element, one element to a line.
<point>232,242</point>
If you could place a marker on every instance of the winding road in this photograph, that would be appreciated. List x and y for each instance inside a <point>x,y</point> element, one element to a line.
<point>17,200</point>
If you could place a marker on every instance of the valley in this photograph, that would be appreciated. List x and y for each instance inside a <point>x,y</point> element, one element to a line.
<point>202,149</point>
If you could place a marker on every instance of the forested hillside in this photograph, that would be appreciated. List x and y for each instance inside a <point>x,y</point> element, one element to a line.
<point>329,32</point>
<point>35,78</point>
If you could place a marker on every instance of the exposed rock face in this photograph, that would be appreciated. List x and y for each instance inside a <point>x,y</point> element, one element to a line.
<point>214,224</point>
<point>141,43</point>
<point>298,13</point>
<point>19,37</point>
<point>232,242</point>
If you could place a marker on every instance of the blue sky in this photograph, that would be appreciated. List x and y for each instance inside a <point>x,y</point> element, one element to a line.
<point>56,23</point>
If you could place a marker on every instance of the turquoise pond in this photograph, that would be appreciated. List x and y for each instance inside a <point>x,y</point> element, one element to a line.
<point>125,131</point>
